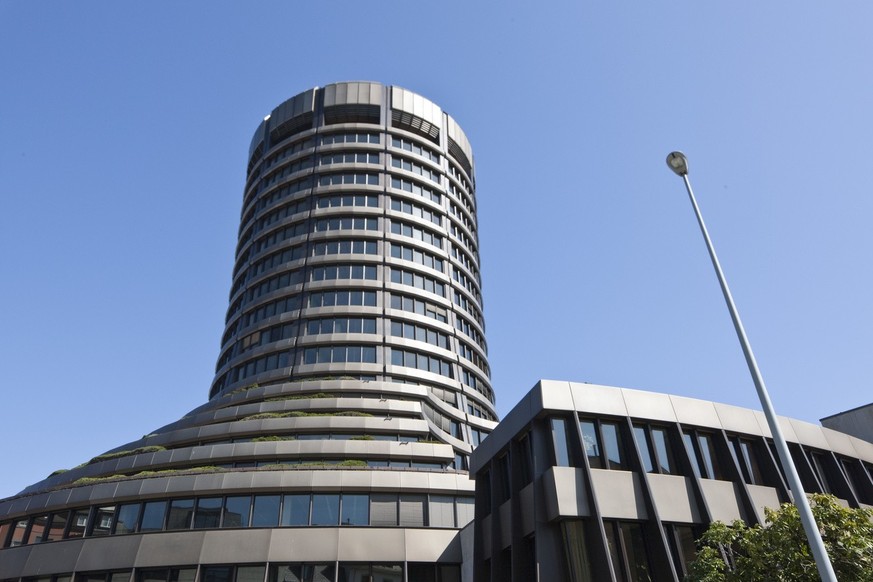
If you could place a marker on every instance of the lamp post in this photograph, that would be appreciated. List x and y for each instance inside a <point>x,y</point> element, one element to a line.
<point>678,163</point>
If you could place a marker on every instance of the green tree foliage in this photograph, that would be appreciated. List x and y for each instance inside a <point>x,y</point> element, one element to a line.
<point>779,552</point>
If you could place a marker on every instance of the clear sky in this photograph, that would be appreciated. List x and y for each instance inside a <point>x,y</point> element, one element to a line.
<point>124,130</point>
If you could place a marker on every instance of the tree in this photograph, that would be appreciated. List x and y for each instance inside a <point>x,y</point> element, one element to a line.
<point>779,552</point>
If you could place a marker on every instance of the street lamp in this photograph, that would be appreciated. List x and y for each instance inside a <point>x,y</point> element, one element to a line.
<point>679,164</point>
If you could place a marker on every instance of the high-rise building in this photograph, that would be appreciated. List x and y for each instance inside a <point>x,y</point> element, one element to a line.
<point>351,385</point>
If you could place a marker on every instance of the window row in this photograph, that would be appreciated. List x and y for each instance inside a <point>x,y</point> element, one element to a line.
<point>416,305</point>
<point>289,150</point>
<point>462,237</point>
<point>413,279</point>
<point>416,188</point>
<point>399,205</point>
<point>410,166</point>
<point>273,216</point>
<point>241,511</point>
<point>458,175</point>
<point>266,363</point>
<point>349,158</point>
<point>279,235</point>
<point>411,231</point>
<point>469,353</point>
<point>337,200</point>
<point>276,307</point>
<point>339,179</point>
<point>420,333</point>
<point>466,282</point>
<point>344,247</point>
<point>260,338</point>
<point>340,354</point>
<point>268,263</point>
<point>350,138</point>
<point>341,325</point>
<point>470,330</point>
<point>343,272</point>
<point>286,572</point>
<point>346,223</point>
<point>275,196</point>
<point>469,306</point>
<point>465,259</point>
<point>424,362</point>
<point>342,298</point>
<point>413,254</point>
<point>280,281</point>
<point>462,217</point>
<point>284,171</point>
<point>411,146</point>
<point>462,196</point>
<point>473,380</point>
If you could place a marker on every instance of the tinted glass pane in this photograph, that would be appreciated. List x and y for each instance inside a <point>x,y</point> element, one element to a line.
<point>388,572</point>
<point>103,520</point>
<point>356,510</point>
<point>318,573</point>
<point>643,446</point>
<point>56,528</point>
<point>615,552</point>
<point>295,510</point>
<point>250,573</point>
<point>37,529</point>
<point>612,445</point>
<point>181,511</point>
<point>153,516</point>
<point>662,450</point>
<point>216,574</point>
<point>559,440</point>
<point>637,557</point>
<point>182,574</point>
<point>153,575</point>
<point>265,512</point>
<point>127,516</point>
<point>208,513</point>
<point>236,511</point>
<point>751,460</point>
<point>78,524</point>
<point>692,454</point>
<point>286,573</point>
<point>325,509</point>
<point>707,449</point>
<point>589,440</point>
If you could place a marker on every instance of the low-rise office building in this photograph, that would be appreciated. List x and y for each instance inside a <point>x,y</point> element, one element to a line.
<point>583,482</point>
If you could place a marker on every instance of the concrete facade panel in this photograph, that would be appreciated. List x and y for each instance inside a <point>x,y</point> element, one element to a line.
<point>596,399</point>
<point>648,405</point>
<point>619,494</point>
<point>674,498</point>
<point>722,499</point>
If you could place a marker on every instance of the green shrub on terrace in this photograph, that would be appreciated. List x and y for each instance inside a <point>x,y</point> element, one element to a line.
<point>300,413</point>
<point>91,480</point>
<point>363,437</point>
<point>118,454</point>
<point>58,472</point>
<point>271,438</point>
<point>301,397</point>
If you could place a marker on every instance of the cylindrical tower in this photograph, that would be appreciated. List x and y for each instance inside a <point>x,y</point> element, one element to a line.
<point>351,386</point>
<point>358,257</point>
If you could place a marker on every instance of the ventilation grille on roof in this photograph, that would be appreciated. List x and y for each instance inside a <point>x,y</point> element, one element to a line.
<point>459,155</point>
<point>354,113</point>
<point>291,126</point>
<point>415,124</point>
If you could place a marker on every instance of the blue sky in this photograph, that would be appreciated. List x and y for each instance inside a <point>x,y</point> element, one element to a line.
<point>124,128</point>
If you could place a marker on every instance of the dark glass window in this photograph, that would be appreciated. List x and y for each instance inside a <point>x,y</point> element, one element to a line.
<point>655,450</point>
<point>79,523</point>
<point>662,450</point>
<point>103,520</point>
<point>265,512</point>
<point>56,527</point>
<point>153,516</point>
<point>216,573</point>
<point>356,509</point>
<point>325,509</point>
<point>236,511</point>
<point>250,573</point>
<point>295,510</point>
<point>127,516</point>
<point>180,514</point>
<point>681,539</point>
<point>208,513</point>
<point>591,443</point>
<point>38,526</point>
<point>560,442</point>
<point>627,550</point>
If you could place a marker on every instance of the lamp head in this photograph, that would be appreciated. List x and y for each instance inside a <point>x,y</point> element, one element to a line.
<point>678,163</point>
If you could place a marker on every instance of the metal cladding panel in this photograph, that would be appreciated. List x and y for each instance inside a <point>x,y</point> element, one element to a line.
<point>107,553</point>
<point>565,493</point>
<point>371,544</point>
<point>14,559</point>
<point>556,395</point>
<point>619,494</point>
<point>864,449</point>
<point>432,545</point>
<point>722,499</point>
<point>353,92</point>
<point>51,558</point>
<point>809,434</point>
<point>404,100</point>
<point>649,405</point>
<point>457,134</point>
<point>736,419</point>
<point>170,548</point>
<point>595,399</point>
<point>304,544</point>
<point>763,497</point>
<point>674,499</point>
<point>302,103</point>
<point>695,412</point>
<point>784,425</point>
<point>236,546</point>
<point>840,443</point>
